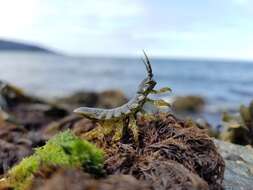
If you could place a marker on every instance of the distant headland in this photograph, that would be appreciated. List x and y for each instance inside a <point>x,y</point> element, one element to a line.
<point>9,45</point>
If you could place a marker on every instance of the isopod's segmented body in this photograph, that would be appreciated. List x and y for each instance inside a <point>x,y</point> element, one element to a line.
<point>133,106</point>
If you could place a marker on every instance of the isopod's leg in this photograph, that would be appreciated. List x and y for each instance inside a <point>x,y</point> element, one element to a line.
<point>134,115</point>
<point>126,134</point>
<point>161,91</point>
<point>95,133</point>
<point>158,103</point>
<point>102,129</point>
<point>149,107</point>
<point>134,128</point>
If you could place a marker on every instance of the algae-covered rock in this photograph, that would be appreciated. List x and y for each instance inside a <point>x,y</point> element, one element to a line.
<point>239,165</point>
<point>188,104</point>
<point>238,128</point>
<point>64,149</point>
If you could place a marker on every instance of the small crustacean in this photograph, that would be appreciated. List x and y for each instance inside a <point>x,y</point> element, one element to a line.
<point>133,106</point>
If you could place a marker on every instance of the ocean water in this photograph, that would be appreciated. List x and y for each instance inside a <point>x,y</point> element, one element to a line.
<point>224,84</point>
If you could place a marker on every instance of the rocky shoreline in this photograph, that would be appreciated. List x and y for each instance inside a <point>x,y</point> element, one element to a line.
<point>170,153</point>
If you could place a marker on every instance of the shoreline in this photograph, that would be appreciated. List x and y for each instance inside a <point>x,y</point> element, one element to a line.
<point>27,122</point>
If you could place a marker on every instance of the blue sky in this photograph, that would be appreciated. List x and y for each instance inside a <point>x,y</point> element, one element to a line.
<point>179,28</point>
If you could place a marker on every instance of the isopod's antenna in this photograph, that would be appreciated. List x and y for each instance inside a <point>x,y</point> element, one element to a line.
<point>148,65</point>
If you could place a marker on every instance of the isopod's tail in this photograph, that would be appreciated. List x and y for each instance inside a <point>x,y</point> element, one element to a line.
<point>148,65</point>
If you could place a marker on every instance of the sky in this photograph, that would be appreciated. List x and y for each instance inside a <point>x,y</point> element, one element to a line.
<point>165,28</point>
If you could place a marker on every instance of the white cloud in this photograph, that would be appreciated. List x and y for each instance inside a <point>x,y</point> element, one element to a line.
<point>241,2</point>
<point>16,15</point>
<point>127,26</point>
<point>113,8</point>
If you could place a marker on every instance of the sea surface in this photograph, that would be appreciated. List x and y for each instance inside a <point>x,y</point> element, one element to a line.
<point>224,84</point>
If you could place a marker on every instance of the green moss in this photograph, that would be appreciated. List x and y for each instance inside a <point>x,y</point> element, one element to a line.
<point>64,149</point>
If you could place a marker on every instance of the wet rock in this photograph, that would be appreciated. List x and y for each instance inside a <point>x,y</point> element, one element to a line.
<point>203,124</point>
<point>239,165</point>
<point>89,99</point>
<point>238,127</point>
<point>76,179</point>
<point>34,116</point>
<point>76,123</point>
<point>172,175</point>
<point>188,104</point>
<point>16,143</point>
<point>26,110</point>
<point>12,95</point>
<point>106,99</point>
<point>111,99</point>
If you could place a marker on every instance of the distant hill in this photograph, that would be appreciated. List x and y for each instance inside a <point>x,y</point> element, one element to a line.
<point>17,46</point>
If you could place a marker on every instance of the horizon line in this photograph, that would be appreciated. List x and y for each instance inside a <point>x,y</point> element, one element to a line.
<point>125,56</point>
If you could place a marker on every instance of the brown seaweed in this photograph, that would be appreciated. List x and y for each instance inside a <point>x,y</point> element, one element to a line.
<point>168,140</point>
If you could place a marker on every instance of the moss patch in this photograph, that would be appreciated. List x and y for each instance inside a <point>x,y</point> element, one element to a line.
<point>64,149</point>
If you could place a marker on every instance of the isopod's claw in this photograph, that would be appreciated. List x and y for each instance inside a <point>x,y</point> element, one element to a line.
<point>161,91</point>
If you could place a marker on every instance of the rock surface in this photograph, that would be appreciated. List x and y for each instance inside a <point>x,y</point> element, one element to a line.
<point>191,103</point>
<point>239,165</point>
<point>165,142</point>
<point>76,179</point>
<point>105,99</point>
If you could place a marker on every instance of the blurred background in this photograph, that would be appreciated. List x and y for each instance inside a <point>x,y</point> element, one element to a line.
<point>202,49</point>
